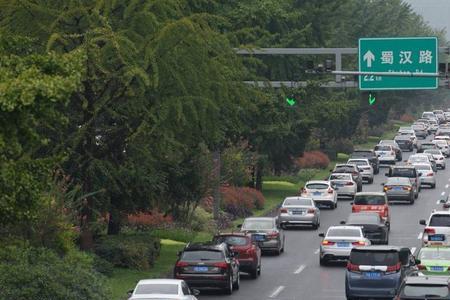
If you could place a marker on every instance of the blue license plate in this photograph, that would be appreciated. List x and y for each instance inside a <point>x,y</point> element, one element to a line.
<point>297,212</point>
<point>372,274</point>
<point>343,244</point>
<point>317,193</point>
<point>436,238</point>
<point>397,188</point>
<point>437,268</point>
<point>201,269</point>
<point>259,237</point>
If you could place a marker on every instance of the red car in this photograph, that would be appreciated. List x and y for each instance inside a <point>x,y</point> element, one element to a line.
<point>249,252</point>
<point>372,202</point>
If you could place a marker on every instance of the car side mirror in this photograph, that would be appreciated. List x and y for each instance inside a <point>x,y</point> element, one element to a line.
<point>322,234</point>
<point>417,261</point>
<point>351,203</point>
<point>179,253</point>
<point>387,223</point>
<point>423,222</point>
<point>195,292</point>
<point>342,222</point>
<point>420,174</point>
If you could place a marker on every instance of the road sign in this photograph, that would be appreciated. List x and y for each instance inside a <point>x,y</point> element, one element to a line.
<point>404,55</point>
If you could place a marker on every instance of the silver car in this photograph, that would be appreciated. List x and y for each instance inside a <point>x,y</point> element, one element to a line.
<point>170,289</point>
<point>399,188</point>
<point>299,211</point>
<point>344,185</point>
<point>438,157</point>
<point>339,241</point>
<point>365,168</point>
<point>426,174</point>
<point>266,232</point>
<point>321,192</point>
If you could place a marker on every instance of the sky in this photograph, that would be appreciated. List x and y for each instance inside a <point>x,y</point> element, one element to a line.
<point>435,12</point>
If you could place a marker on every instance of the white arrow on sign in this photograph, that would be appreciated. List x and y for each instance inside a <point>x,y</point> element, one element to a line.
<point>369,57</point>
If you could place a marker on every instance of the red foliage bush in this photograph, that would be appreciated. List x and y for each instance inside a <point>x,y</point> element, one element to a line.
<point>152,218</point>
<point>313,160</point>
<point>407,118</point>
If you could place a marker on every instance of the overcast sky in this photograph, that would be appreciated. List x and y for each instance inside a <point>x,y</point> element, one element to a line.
<point>435,12</point>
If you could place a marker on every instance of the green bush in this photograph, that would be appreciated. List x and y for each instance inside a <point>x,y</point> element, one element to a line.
<point>132,250</point>
<point>176,234</point>
<point>39,273</point>
<point>342,157</point>
<point>103,266</point>
<point>201,220</point>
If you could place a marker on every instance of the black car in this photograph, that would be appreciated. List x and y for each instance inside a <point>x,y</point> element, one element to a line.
<point>370,155</point>
<point>424,288</point>
<point>208,266</point>
<point>373,226</point>
<point>404,142</point>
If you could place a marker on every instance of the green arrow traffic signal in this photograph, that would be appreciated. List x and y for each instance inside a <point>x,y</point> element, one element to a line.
<point>372,99</point>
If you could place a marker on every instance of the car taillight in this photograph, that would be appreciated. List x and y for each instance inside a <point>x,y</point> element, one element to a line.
<point>330,191</point>
<point>182,264</point>
<point>311,210</point>
<point>421,267</point>
<point>272,235</point>
<point>429,230</point>
<point>221,265</point>
<point>250,251</point>
<point>430,174</point>
<point>386,211</point>
<point>387,188</point>
<point>283,210</point>
<point>359,243</point>
<point>394,268</point>
<point>352,267</point>
<point>349,183</point>
<point>353,208</point>
<point>328,243</point>
<point>406,188</point>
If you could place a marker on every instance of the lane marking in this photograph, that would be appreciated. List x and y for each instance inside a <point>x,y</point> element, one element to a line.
<point>317,251</point>
<point>419,237</point>
<point>443,193</point>
<point>277,291</point>
<point>300,269</point>
<point>413,250</point>
<point>446,186</point>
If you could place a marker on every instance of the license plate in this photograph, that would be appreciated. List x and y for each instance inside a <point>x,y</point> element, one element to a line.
<point>436,238</point>
<point>298,212</point>
<point>259,237</point>
<point>437,268</point>
<point>317,193</point>
<point>339,184</point>
<point>397,188</point>
<point>201,269</point>
<point>372,274</point>
<point>343,244</point>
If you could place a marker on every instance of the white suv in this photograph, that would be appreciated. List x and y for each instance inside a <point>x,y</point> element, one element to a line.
<point>437,229</point>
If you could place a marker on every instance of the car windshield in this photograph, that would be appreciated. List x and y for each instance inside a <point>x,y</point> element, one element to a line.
<point>369,200</point>
<point>434,254</point>
<point>403,172</point>
<point>351,232</point>
<point>255,224</point>
<point>160,288</point>
<point>340,177</point>
<point>426,291</point>
<point>398,181</point>
<point>433,151</point>
<point>440,220</point>
<point>363,218</point>
<point>382,148</point>
<point>297,201</point>
<point>358,162</point>
<point>317,186</point>
<point>202,255</point>
<point>374,258</point>
<point>231,240</point>
<point>344,169</point>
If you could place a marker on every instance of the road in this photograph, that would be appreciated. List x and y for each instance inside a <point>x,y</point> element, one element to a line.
<point>296,274</point>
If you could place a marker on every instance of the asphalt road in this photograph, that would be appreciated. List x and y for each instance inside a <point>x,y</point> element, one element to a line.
<point>296,274</point>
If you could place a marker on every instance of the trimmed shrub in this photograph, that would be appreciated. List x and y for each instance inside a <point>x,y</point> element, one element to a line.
<point>407,118</point>
<point>313,160</point>
<point>147,220</point>
<point>132,250</point>
<point>240,201</point>
<point>39,273</point>
<point>201,220</point>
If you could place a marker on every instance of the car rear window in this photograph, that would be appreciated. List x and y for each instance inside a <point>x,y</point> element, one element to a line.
<point>382,148</point>
<point>317,186</point>
<point>202,255</point>
<point>257,224</point>
<point>232,240</point>
<point>434,254</point>
<point>426,291</point>
<point>403,172</point>
<point>340,177</point>
<point>398,181</point>
<point>369,200</point>
<point>297,202</point>
<point>428,146</point>
<point>343,232</point>
<point>344,169</point>
<point>423,167</point>
<point>374,258</point>
<point>358,162</point>
<point>167,289</point>
<point>433,151</point>
<point>440,220</point>
<point>363,219</point>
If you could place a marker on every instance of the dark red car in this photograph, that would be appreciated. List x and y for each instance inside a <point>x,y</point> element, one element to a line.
<point>249,252</point>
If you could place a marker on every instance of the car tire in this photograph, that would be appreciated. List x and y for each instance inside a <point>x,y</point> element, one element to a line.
<point>284,245</point>
<point>229,290</point>
<point>335,204</point>
<point>443,167</point>
<point>371,180</point>
<point>433,186</point>
<point>237,283</point>
<point>411,201</point>
<point>322,261</point>
<point>254,273</point>
<point>416,195</point>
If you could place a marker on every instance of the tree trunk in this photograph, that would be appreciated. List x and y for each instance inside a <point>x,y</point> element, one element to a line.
<point>86,235</point>
<point>258,183</point>
<point>114,222</point>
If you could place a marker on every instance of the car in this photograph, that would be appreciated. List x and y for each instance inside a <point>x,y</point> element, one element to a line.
<point>266,232</point>
<point>421,147</point>
<point>364,167</point>
<point>321,192</point>
<point>370,155</point>
<point>437,229</point>
<point>410,135</point>
<point>420,130</point>
<point>398,151</point>
<point>373,226</point>
<point>447,116</point>
<point>443,146</point>
<point>208,266</point>
<point>344,185</point>
<point>249,253</point>
<point>339,241</point>
<point>422,159</point>
<point>431,160</point>
<point>428,115</point>
<point>372,202</point>
<point>426,174</point>
<point>404,142</point>
<point>170,289</point>
<point>424,288</point>
<point>297,211</point>
<point>399,188</point>
<point>409,172</point>
<point>434,126</point>
<point>377,271</point>
<point>386,154</point>
<point>350,169</point>
<point>440,115</point>
<point>434,261</point>
<point>438,157</point>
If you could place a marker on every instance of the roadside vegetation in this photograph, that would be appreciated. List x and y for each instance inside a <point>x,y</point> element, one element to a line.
<point>123,121</point>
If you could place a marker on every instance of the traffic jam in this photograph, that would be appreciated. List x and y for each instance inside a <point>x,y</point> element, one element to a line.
<point>368,252</point>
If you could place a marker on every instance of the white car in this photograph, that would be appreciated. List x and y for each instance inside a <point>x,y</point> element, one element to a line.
<point>434,126</point>
<point>428,114</point>
<point>344,185</point>
<point>438,157</point>
<point>386,154</point>
<point>364,166</point>
<point>442,144</point>
<point>437,229</point>
<point>170,289</point>
<point>416,159</point>
<point>426,174</point>
<point>321,192</point>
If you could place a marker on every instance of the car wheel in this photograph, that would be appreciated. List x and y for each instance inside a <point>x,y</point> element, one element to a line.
<point>416,195</point>
<point>283,226</point>
<point>237,283</point>
<point>254,272</point>
<point>315,226</point>
<point>433,186</point>
<point>284,245</point>
<point>259,270</point>
<point>335,204</point>
<point>371,180</point>
<point>229,289</point>
<point>322,261</point>
<point>411,201</point>
<point>443,167</point>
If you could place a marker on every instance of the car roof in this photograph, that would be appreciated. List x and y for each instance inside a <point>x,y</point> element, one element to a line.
<point>344,227</point>
<point>427,280</point>
<point>160,281</point>
<point>379,248</point>
<point>398,180</point>
<point>440,212</point>
<point>431,249</point>
<point>402,167</point>
<point>421,164</point>
<point>297,198</point>
<point>364,213</point>
<point>318,181</point>
<point>205,246</point>
<point>370,194</point>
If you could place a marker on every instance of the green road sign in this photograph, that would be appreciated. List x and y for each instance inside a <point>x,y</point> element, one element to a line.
<point>409,55</point>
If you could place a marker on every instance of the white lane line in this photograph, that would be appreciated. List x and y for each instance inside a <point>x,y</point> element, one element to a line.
<point>317,251</point>
<point>300,269</point>
<point>419,237</point>
<point>447,185</point>
<point>277,291</point>
<point>443,193</point>
<point>413,250</point>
